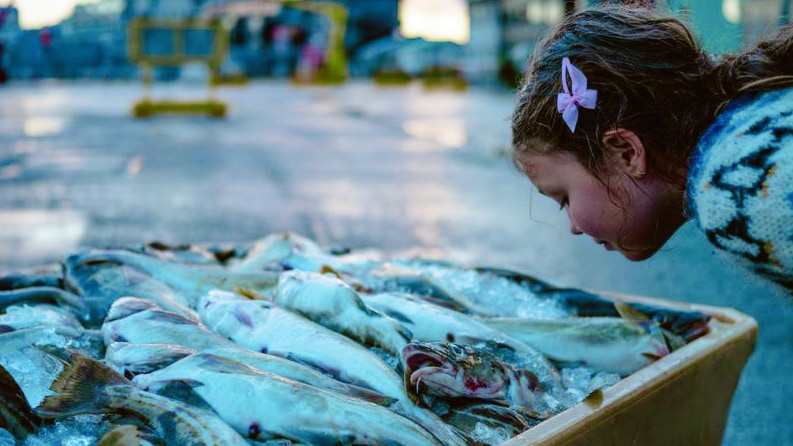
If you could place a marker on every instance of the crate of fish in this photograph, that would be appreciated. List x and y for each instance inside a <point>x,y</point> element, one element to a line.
<point>282,341</point>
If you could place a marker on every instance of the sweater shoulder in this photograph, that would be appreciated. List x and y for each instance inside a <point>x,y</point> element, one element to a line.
<point>740,187</point>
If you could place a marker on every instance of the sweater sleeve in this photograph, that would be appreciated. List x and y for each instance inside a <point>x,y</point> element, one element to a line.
<point>740,186</point>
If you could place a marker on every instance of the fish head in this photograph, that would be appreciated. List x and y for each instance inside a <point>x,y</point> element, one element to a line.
<point>126,306</point>
<point>681,326</point>
<point>453,371</point>
<point>658,342</point>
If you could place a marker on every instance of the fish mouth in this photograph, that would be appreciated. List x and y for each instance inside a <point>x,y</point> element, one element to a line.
<point>420,362</point>
<point>127,306</point>
<point>428,373</point>
<point>420,366</point>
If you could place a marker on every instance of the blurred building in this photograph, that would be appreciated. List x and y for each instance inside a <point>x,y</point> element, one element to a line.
<point>505,32</point>
<point>267,39</point>
<point>92,43</point>
<point>9,33</point>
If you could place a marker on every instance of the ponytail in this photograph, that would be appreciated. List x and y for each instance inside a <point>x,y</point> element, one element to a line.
<point>765,66</point>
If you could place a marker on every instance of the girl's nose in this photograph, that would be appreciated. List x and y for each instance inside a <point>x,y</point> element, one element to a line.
<point>573,228</point>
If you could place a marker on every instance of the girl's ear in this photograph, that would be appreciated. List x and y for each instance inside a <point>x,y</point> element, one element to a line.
<point>626,152</point>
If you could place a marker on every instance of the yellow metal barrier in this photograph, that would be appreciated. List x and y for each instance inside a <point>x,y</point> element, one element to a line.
<point>191,40</point>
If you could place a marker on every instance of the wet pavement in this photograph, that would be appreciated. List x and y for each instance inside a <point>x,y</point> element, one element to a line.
<point>396,169</point>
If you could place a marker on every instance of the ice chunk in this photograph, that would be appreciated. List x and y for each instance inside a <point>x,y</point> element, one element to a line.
<point>603,380</point>
<point>486,293</point>
<point>6,439</point>
<point>79,430</point>
<point>577,378</point>
<point>485,434</point>
<point>34,371</point>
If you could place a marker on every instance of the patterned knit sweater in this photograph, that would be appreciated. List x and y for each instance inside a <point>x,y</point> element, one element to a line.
<point>740,183</point>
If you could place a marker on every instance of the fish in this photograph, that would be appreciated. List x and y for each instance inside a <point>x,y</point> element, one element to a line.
<point>16,415</point>
<point>264,327</point>
<point>153,326</point>
<point>489,424</point>
<point>291,251</point>
<point>88,386</point>
<point>261,326</point>
<point>432,323</point>
<point>608,344</point>
<point>269,251</point>
<point>466,290</point>
<point>188,282</point>
<point>266,406</point>
<point>46,295</point>
<point>132,359</point>
<point>48,276</point>
<point>186,253</point>
<point>332,303</point>
<point>454,371</point>
<point>101,284</point>
<point>685,324</point>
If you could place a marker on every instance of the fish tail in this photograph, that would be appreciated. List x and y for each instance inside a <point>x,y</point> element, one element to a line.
<point>79,388</point>
<point>15,412</point>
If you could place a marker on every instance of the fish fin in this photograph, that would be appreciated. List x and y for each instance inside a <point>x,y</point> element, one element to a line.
<point>504,414</point>
<point>223,365</point>
<point>126,435</point>
<point>78,388</point>
<point>15,401</point>
<point>370,395</point>
<point>631,314</point>
<point>672,340</point>
<point>401,317</point>
<point>595,398</point>
<point>530,413</point>
<point>172,318</point>
<point>327,269</point>
<point>61,354</point>
<point>250,294</point>
<point>183,390</point>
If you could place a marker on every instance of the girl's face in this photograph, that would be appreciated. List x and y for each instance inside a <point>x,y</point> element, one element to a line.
<point>634,215</point>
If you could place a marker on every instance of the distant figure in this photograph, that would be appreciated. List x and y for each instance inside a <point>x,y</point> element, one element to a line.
<point>633,130</point>
<point>239,38</point>
<point>283,50</point>
<point>239,33</point>
<point>48,58</point>
<point>3,72</point>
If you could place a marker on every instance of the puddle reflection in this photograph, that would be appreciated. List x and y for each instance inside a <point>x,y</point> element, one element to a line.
<point>342,198</point>
<point>32,235</point>
<point>38,127</point>
<point>448,133</point>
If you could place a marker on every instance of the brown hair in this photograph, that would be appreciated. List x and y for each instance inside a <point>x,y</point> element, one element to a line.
<point>652,77</point>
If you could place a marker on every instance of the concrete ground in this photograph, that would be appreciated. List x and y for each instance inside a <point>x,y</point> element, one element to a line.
<point>389,168</point>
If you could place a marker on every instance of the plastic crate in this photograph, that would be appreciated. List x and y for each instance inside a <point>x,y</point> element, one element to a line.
<point>681,399</point>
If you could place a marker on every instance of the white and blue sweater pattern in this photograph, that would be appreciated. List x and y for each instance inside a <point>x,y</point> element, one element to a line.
<point>740,183</point>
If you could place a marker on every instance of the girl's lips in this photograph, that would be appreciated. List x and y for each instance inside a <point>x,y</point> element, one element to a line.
<point>605,244</point>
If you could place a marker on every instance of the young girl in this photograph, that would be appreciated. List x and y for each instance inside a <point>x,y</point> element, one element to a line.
<point>633,129</point>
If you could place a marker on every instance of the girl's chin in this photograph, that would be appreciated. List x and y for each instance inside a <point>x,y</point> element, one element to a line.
<point>636,256</point>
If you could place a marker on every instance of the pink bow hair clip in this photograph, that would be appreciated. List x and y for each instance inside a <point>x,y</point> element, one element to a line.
<point>567,103</point>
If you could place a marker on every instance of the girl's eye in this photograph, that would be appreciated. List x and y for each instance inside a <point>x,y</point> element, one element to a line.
<point>562,203</point>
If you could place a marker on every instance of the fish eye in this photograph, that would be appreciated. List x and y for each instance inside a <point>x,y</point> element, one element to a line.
<point>456,349</point>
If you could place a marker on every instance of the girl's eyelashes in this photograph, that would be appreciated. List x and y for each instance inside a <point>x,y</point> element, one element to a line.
<point>562,203</point>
